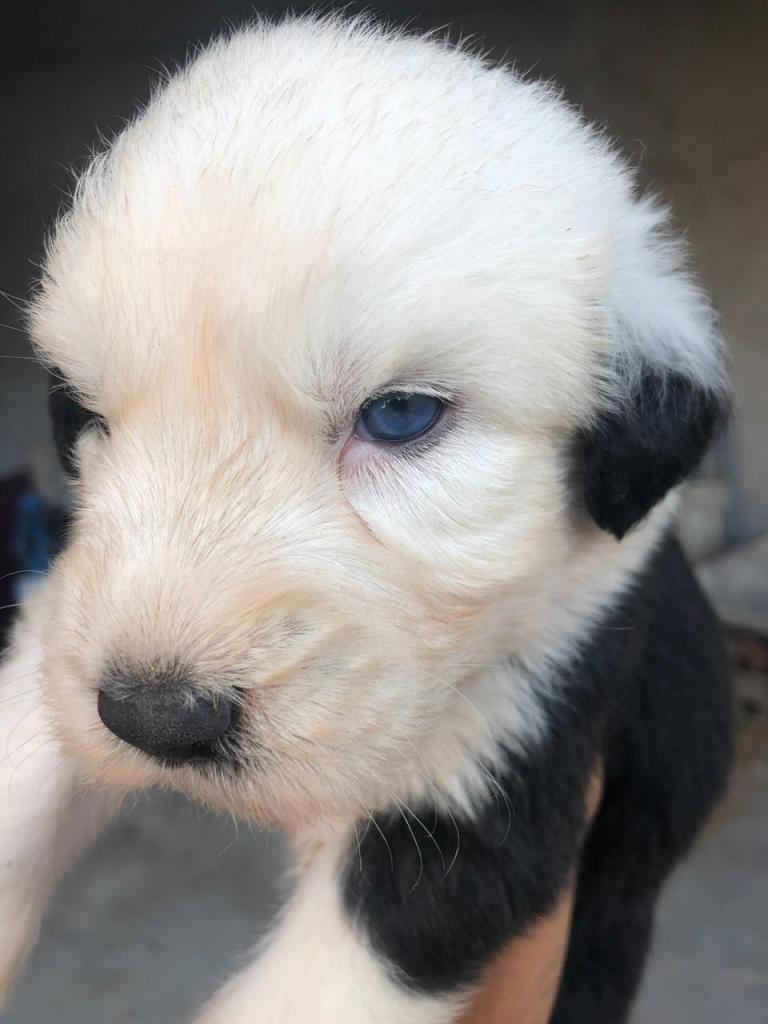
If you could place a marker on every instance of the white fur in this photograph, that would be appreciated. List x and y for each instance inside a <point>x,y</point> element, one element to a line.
<point>341,980</point>
<point>308,215</point>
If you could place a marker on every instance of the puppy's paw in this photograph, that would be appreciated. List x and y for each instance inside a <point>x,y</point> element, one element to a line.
<point>34,797</point>
<point>27,783</point>
<point>46,818</point>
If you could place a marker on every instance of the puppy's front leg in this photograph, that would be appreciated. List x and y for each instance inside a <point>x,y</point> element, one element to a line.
<point>319,967</point>
<point>45,820</point>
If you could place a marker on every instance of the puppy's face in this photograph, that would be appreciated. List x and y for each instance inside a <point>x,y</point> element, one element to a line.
<point>336,309</point>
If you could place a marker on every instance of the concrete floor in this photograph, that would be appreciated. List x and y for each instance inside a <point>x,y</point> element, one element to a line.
<point>710,960</point>
<point>172,897</point>
<point>144,928</point>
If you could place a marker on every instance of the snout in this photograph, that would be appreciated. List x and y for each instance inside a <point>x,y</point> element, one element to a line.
<point>164,716</point>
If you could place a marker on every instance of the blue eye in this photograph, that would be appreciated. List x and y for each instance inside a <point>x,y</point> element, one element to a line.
<point>398,417</point>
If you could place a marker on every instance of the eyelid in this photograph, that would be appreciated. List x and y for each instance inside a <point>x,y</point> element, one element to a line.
<point>412,387</point>
<point>99,424</point>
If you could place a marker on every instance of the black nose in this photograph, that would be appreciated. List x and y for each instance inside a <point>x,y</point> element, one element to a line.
<point>166,719</point>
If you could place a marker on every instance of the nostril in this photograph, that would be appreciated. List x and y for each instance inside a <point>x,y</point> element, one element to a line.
<point>166,720</point>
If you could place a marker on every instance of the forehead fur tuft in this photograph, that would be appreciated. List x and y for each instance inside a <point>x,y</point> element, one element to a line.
<point>302,187</point>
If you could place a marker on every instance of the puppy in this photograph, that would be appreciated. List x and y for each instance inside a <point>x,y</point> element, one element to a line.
<point>376,378</point>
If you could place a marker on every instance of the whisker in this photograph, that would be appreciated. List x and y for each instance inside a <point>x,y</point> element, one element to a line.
<point>12,733</point>
<point>32,753</point>
<point>16,679</point>
<point>359,851</point>
<point>134,805</point>
<point>386,841</point>
<point>416,843</point>
<point>47,738</point>
<point>234,839</point>
<point>499,790</point>
<point>30,694</point>
<point>429,833</point>
<point>438,796</point>
<point>23,572</point>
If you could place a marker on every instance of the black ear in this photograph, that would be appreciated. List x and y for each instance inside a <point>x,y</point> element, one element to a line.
<point>633,455</point>
<point>70,418</point>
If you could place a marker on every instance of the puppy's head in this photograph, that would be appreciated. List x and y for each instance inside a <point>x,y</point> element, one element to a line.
<point>365,357</point>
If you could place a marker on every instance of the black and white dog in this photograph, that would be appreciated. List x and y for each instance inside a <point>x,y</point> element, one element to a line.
<point>376,378</point>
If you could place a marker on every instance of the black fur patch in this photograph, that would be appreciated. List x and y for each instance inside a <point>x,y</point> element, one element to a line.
<point>439,899</point>
<point>633,456</point>
<point>651,697</point>
<point>70,418</point>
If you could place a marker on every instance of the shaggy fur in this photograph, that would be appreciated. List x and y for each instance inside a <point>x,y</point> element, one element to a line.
<point>308,216</point>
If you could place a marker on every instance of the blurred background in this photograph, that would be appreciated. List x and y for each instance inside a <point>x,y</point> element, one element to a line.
<point>171,897</point>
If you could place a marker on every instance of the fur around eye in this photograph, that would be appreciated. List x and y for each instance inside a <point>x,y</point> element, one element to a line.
<point>70,418</point>
<point>397,417</point>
